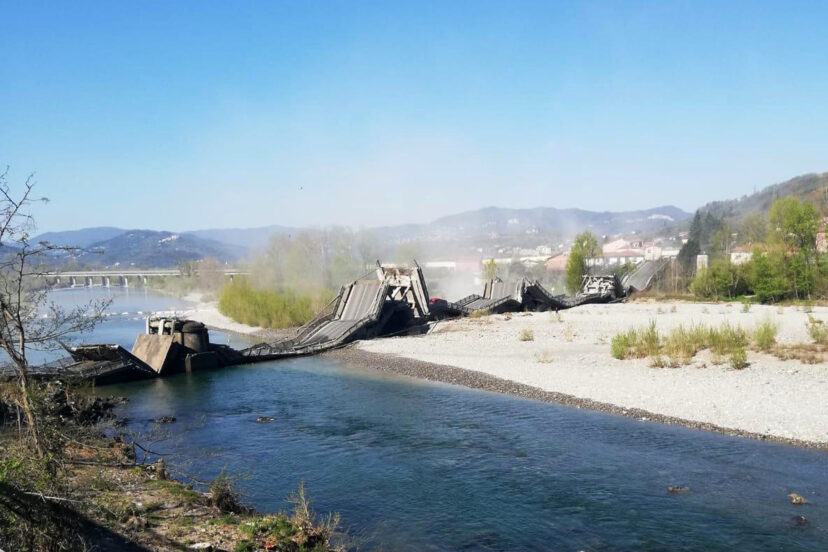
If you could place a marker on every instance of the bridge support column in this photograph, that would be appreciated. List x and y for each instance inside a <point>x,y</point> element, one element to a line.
<point>57,281</point>
<point>125,281</point>
<point>89,281</point>
<point>72,282</point>
<point>106,281</point>
<point>144,280</point>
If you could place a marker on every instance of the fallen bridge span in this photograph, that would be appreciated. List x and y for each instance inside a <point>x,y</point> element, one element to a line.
<point>388,300</point>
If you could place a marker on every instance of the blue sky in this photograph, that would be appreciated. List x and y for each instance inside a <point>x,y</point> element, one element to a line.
<point>176,115</point>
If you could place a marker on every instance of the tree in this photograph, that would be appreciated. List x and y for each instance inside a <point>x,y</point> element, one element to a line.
<point>490,270</point>
<point>767,275</point>
<point>794,223</point>
<point>585,246</point>
<point>721,242</point>
<point>754,229</point>
<point>28,320</point>
<point>687,256</point>
<point>696,228</point>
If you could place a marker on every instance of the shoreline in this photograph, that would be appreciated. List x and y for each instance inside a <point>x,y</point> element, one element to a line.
<point>453,375</point>
<point>771,400</point>
<point>568,353</point>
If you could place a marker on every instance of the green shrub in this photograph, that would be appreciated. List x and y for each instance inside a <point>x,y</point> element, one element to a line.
<point>621,345</point>
<point>647,341</point>
<point>267,308</point>
<point>725,339</point>
<point>817,330</point>
<point>636,343</point>
<point>738,358</point>
<point>678,346</point>
<point>681,344</point>
<point>765,335</point>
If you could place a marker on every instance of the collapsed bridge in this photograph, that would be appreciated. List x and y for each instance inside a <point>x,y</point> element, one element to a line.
<point>394,299</point>
<point>386,301</point>
<point>499,296</point>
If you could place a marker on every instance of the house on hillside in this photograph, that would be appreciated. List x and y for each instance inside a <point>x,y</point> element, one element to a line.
<point>557,263</point>
<point>616,245</point>
<point>617,258</point>
<point>740,255</point>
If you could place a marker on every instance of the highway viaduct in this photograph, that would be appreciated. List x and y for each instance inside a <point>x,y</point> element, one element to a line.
<point>109,278</point>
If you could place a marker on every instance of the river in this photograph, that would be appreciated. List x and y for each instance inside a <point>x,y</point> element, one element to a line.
<point>415,465</point>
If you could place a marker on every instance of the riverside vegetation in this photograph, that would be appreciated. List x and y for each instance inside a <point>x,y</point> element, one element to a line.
<point>268,308</point>
<point>296,276</point>
<point>726,342</point>
<point>785,263</point>
<point>89,491</point>
<point>64,485</point>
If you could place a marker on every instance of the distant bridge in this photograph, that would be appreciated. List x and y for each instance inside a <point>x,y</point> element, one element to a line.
<point>108,278</point>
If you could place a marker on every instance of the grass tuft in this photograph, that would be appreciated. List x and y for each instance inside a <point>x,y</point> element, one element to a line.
<point>738,358</point>
<point>765,335</point>
<point>817,330</point>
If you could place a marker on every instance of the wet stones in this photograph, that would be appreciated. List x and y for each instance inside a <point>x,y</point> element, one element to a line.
<point>799,521</point>
<point>165,420</point>
<point>797,499</point>
<point>264,420</point>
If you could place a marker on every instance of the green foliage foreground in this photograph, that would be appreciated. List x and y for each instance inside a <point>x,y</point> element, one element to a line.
<point>788,267</point>
<point>270,309</point>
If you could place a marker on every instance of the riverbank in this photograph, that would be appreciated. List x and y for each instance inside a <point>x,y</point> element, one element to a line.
<point>568,361</point>
<point>96,492</point>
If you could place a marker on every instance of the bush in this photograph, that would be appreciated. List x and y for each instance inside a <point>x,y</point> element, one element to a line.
<point>647,342</point>
<point>269,309</point>
<point>765,335</point>
<point>680,345</point>
<point>526,335</point>
<point>726,339</point>
<point>721,280</point>
<point>621,345</point>
<point>636,343</point>
<point>817,330</point>
<point>224,496</point>
<point>738,358</point>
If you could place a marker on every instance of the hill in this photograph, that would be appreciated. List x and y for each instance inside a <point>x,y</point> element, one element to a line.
<point>80,238</point>
<point>149,248</point>
<point>245,238</point>
<point>548,220</point>
<point>811,187</point>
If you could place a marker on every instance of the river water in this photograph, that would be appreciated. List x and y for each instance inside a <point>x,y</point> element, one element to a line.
<point>414,465</point>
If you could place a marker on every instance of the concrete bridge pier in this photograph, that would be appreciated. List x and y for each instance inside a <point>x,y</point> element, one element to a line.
<point>125,281</point>
<point>89,281</point>
<point>106,281</point>
<point>72,282</point>
<point>57,281</point>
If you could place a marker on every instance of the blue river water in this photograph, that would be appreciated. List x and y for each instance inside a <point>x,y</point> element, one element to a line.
<point>414,465</point>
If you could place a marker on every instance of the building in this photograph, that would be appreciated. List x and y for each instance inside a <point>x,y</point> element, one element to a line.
<point>740,255</point>
<point>557,263</point>
<point>617,258</point>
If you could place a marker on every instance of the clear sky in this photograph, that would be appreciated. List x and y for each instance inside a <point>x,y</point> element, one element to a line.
<point>176,115</point>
